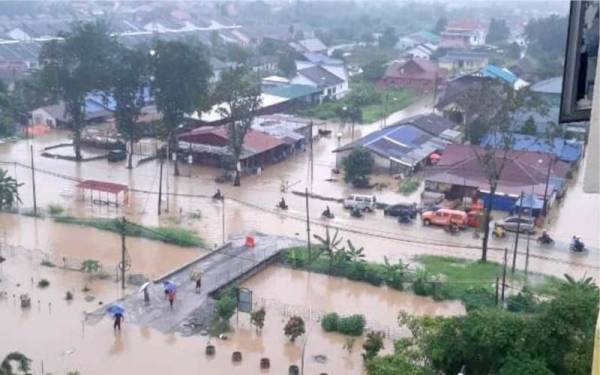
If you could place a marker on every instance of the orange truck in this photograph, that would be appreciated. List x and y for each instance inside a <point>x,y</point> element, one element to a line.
<point>444,217</point>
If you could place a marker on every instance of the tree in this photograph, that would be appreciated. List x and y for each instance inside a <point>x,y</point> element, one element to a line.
<point>517,366</point>
<point>129,76</point>
<point>74,66</point>
<point>338,53</point>
<point>294,328</point>
<point>354,254</point>
<point>239,91</point>
<point>374,70</point>
<point>494,109</point>
<point>9,190</point>
<point>498,31</point>
<point>257,318</point>
<point>180,81</point>
<point>529,127</point>
<point>237,53</point>
<point>226,304</point>
<point>23,364</point>
<point>358,165</point>
<point>329,245</point>
<point>372,345</point>
<point>388,39</point>
<point>286,64</point>
<point>440,25</point>
<point>367,38</point>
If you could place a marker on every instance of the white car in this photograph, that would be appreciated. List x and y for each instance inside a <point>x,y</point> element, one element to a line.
<point>362,202</point>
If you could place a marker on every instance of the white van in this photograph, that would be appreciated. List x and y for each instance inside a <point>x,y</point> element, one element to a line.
<point>362,202</point>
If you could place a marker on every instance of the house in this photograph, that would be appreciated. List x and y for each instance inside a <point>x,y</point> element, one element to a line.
<point>417,74</point>
<point>549,89</point>
<point>460,61</point>
<point>568,151</point>
<point>263,64</point>
<point>434,125</point>
<point>97,109</point>
<point>331,86</point>
<point>401,148</point>
<point>463,34</point>
<point>504,75</point>
<point>274,80</point>
<point>209,146</point>
<point>421,51</point>
<point>459,174</point>
<point>419,37</point>
<point>297,95</point>
<point>309,45</point>
<point>294,132</point>
<point>447,101</point>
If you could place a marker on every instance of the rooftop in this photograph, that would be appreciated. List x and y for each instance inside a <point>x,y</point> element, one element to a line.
<point>292,91</point>
<point>320,76</point>
<point>548,86</point>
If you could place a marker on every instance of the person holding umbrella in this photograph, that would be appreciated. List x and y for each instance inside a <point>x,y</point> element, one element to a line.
<point>144,289</point>
<point>117,311</point>
<point>170,289</point>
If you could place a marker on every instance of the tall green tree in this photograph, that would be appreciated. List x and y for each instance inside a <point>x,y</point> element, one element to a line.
<point>498,31</point>
<point>286,64</point>
<point>440,25</point>
<point>180,80</point>
<point>389,38</point>
<point>129,76</point>
<point>358,165</point>
<point>9,190</point>
<point>76,65</point>
<point>240,94</point>
<point>23,364</point>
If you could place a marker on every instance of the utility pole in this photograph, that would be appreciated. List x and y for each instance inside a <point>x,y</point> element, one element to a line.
<point>123,250</point>
<point>33,182</point>
<point>504,272</point>
<point>223,221</point>
<point>308,229</point>
<point>528,239</point>
<point>497,282</point>
<point>545,207</point>
<point>514,260</point>
<point>311,156</point>
<point>160,185</point>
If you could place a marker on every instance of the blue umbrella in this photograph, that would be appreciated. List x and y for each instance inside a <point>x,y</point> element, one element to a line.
<point>115,309</point>
<point>169,286</point>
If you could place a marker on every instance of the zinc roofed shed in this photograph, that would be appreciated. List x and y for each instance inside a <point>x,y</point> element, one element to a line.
<point>109,188</point>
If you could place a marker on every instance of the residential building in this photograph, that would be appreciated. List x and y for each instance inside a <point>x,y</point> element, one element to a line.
<point>562,149</point>
<point>52,116</point>
<point>462,61</point>
<point>447,101</point>
<point>434,125</point>
<point>401,148</point>
<point>297,95</point>
<point>263,64</point>
<point>419,37</point>
<point>421,51</point>
<point>313,45</point>
<point>504,75</point>
<point>463,34</point>
<point>331,86</point>
<point>209,146</point>
<point>418,74</point>
<point>460,174</point>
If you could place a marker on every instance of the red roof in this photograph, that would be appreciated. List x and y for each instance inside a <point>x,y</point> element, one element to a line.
<point>255,141</point>
<point>522,169</point>
<point>466,24</point>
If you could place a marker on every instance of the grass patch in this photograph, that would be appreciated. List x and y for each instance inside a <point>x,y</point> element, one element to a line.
<point>55,209</point>
<point>172,235</point>
<point>409,185</point>
<point>398,99</point>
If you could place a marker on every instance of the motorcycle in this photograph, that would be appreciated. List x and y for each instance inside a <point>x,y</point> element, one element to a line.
<point>545,240</point>
<point>452,228</point>
<point>282,205</point>
<point>356,212</point>
<point>404,219</point>
<point>218,196</point>
<point>327,214</point>
<point>499,232</point>
<point>577,246</point>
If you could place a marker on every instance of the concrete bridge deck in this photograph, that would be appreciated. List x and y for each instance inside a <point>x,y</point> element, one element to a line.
<point>220,268</point>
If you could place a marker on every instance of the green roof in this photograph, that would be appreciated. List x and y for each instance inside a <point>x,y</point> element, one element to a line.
<point>291,91</point>
<point>428,35</point>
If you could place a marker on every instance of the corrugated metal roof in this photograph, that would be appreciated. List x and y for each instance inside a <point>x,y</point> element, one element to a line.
<point>497,72</point>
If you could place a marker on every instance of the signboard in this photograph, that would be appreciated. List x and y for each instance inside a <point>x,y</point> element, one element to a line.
<point>244,300</point>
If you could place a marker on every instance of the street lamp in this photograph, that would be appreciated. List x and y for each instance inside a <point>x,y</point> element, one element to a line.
<point>545,206</point>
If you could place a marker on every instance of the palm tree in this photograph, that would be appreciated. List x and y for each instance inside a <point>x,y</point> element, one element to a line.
<point>355,255</point>
<point>22,361</point>
<point>9,190</point>
<point>329,245</point>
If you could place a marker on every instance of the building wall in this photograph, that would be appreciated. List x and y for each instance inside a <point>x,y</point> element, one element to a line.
<point>41,117</point>
<point>417,84</point>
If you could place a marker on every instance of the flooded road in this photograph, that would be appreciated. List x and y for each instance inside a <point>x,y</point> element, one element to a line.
<point>63,343</point>
<point>251,207</point>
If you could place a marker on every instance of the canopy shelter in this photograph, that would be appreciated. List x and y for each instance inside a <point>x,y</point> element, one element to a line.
<point>104,193</point>
<point>529,202</point>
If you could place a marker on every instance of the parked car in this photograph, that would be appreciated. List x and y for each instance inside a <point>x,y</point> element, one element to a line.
<point>362,202</point>
<point>116,155</point>
<point>511,223</point>
<point>444,217</point>
<point>400,209</point>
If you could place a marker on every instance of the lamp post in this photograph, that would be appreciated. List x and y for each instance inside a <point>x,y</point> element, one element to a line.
<point>545,205</point>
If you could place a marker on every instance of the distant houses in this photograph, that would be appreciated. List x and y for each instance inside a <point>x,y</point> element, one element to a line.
<point>463,34</point>
<point>504,75</point>
<point>414,39</point>
<point>418,74</point>
<point>463,61</point>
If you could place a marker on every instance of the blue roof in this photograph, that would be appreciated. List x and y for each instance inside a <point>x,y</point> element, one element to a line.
<point>530,201</point>
<point>291,91</point>
<point>565,151</point>
<point>494,71</point>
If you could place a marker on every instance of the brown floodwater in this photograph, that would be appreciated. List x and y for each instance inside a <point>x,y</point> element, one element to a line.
<point>55,337</point>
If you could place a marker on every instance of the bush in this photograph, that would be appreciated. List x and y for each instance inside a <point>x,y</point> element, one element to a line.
<point>409,185</point>
<point>47,263</point>
<point>226,304</point>
<point>294,328</point>
<point>69,296</point>
<point>358,165</point>
<point>55,209</point>
<point>330,322</point>
<point>352,325</point>
<point>477,297</point>
<point>522,302</point>
<point>257,318</point>
<point>43,283</point>
<point>372,345</point>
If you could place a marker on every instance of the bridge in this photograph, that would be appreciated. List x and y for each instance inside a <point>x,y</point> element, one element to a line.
<point>231,263</point>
